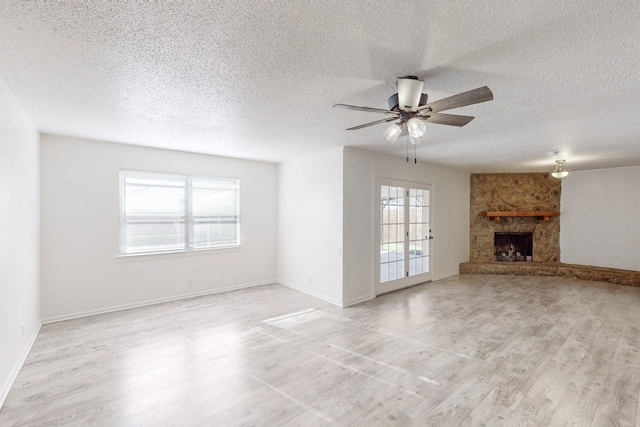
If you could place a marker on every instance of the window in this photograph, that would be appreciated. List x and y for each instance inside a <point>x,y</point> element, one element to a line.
<point>167,212</point>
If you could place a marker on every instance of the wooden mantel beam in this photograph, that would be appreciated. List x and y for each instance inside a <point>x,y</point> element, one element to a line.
<point>539,215</point>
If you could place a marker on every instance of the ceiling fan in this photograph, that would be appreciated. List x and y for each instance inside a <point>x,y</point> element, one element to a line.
<point>410,110</point>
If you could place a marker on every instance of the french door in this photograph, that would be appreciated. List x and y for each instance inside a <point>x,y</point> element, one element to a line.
<point>404,255</point>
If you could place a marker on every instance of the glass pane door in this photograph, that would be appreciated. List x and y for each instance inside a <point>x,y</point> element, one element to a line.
<point>403,235</point>
<point>418,231</point>
<point>392,233</point>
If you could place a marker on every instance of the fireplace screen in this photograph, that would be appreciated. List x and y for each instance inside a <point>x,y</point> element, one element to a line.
<point>513,246</point>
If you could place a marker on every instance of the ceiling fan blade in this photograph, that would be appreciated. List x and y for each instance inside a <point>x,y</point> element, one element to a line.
<point>373,123</point>
<point>409,92</point>
<point>367,109</point>
<point>448,119</point>
<point>475,96</point>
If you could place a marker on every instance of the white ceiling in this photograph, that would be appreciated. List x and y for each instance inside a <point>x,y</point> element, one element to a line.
<point>257,79</point>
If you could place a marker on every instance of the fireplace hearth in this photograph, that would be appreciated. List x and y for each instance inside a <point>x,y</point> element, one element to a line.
<point>513,246</point>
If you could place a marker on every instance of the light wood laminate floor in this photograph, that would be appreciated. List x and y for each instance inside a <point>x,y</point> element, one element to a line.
<point>468,350</point>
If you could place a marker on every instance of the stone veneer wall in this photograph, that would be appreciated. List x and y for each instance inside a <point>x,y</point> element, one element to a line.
<point>515,192</point>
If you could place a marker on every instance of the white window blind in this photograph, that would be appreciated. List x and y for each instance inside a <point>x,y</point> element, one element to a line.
<point>167,212</point>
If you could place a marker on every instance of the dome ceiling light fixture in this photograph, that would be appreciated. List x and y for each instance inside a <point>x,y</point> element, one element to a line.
<point>410,111</point>
<point>560,171</point>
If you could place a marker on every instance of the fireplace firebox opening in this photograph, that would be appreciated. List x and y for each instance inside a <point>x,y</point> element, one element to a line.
<point>513,246</point>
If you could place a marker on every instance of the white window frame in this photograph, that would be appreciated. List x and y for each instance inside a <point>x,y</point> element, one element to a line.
<point>189,221</point>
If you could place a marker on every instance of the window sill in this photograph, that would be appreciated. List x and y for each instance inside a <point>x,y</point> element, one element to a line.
<point>150,256</point>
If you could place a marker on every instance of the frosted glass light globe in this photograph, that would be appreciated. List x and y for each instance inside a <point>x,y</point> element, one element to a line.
<point>392,132</point>
<point>416,128</point>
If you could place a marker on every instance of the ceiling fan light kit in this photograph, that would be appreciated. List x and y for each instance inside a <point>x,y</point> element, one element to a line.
<point>560,171</point>
<point>410,110</point>
<point>393,132</point>
<point>416,127</point>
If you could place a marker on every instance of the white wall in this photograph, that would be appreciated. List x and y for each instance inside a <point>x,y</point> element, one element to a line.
<point>358,236</point>
<point>450,221</point>
<point>19,238</point>
<point>310,225</point>
<point>599,218</point>
<point>81,273</point>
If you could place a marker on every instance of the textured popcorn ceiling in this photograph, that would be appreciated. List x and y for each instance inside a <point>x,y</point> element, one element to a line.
<point>257,79</point>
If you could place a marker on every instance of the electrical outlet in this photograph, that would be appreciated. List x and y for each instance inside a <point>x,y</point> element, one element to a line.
<point>310,279</point>
<point>190,282</point>
<point>22,331</point>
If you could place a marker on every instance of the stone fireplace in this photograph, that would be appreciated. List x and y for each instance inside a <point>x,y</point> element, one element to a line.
<point>517,204</point>
<point>515,192</point>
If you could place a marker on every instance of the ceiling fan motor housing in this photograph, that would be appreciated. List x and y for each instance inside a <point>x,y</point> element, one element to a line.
<point>393,101</point>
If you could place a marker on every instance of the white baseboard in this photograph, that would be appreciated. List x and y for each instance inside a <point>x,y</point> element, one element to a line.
<point>445,276</point>
<point>112,309</point>
<point>357,300</point>
<point>308,292</point>
<point>4,392</point>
